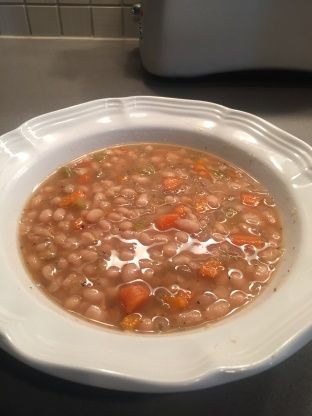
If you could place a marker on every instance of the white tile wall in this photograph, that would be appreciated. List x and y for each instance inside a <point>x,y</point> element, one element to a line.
<point>100,18</point>
<point>76,21</point>
<point>44,20</point>
<point>130,23</point>
<point>107,22</point>
<point>107,2</point>
<point>13,20</point>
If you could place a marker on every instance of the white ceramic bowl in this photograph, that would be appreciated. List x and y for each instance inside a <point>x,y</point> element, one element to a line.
<point>274,326</point>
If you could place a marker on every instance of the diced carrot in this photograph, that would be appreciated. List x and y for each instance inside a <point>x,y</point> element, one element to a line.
<point>78,224</point>
<point>166,221</point>
<point>200,168</point>
<point>180,210</point>
<point>250,199</point>
<point>83,179</point>
<point>122,178</point>
<point>130,322</point>
<point>70,199</point>
<point>210,269</point>
<point>242,239</point>
<point>178,301</point>
<point>133,296</point>
<point>171,183</point>
<point>198,165</point>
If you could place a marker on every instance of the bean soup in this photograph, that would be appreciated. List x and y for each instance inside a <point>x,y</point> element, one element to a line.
<point>151,237</point>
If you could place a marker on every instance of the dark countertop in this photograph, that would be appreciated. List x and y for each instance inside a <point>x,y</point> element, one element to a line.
<point>37,76</point>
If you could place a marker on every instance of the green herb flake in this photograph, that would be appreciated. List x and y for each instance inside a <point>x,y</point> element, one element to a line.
<point>230,212</point>
<point>80,203</point>
<point>66,172</point>
<point>141,225</point>
<point>219,176</point>
<point>148,170</point>
<point>100,156</point>
<point>158,200</point>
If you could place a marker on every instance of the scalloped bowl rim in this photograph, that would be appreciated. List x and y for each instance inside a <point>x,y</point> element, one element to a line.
<point>273,327</point>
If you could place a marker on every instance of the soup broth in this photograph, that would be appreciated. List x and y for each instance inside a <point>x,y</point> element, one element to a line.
<point>151,237</point>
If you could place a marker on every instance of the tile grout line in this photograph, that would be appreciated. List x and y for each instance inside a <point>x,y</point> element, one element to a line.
<point>27,17</point>
<point>28,5</point>
<point>34,3</point>
<point>123,25</point>
<point>54,37</point>
<point>91,19</point>
<point>59,17</point>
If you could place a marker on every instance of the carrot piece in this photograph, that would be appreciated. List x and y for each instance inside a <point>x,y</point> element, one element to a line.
<point>180,210</point>
<point>200,168</point>
<point>130,322</point>
<point>133,296</point>
<point>122,178</point>
<point>78,224</point>
<point>171,183</point>
<point>70,199</point>
<point>83,179</point>
<point>166,221</point>
<point>242,239</point>
<point>178,301</point>
<point>250,199</point>
<point>210,269</point>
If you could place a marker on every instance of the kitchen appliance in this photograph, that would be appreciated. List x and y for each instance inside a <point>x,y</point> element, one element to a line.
<point>196,37</point>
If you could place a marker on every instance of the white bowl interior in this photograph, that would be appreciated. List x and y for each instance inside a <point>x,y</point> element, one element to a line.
<point>39,168</point>
<point>56,341</point>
